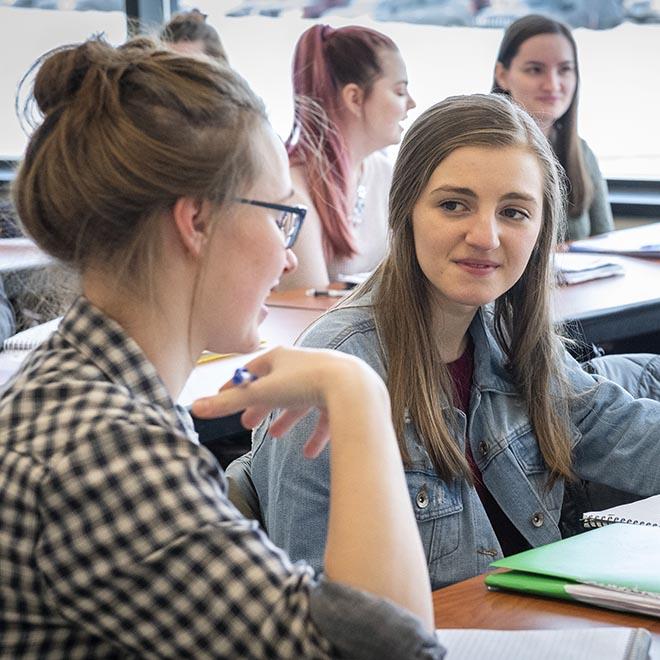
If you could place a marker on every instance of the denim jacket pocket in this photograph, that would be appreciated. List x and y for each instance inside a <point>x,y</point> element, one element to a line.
<point>527,452</point>
<point>437,507</point>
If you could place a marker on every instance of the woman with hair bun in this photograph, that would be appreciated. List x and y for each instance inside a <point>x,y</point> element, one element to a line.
<point>158,178</point>
<point>350,94</point>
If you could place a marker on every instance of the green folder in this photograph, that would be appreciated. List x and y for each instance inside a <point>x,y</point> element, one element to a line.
<point>619,563</point>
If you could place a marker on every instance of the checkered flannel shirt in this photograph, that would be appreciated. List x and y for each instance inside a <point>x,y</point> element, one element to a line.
<point>117,538</point>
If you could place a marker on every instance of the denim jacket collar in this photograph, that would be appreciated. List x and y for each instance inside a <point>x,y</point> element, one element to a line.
<point>490,371</point>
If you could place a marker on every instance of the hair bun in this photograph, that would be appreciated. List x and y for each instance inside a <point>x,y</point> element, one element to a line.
<point>63,71</point>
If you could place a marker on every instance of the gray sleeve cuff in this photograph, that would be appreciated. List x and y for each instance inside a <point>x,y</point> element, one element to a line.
<point>359,625</point>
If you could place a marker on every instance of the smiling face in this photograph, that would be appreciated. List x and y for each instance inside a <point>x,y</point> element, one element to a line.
<point>246,256</point>
<point>542,77</point>
<point>388,102</point>
<point>476,223</point>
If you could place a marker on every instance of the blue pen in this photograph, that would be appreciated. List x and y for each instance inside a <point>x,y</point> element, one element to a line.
<point>243,376</point>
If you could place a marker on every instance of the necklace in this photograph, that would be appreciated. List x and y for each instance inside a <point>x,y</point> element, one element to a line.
<point>358,207</point>
<point>357,214</point>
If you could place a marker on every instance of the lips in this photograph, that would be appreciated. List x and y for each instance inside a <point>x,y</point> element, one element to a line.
<point>477,263</point>
<point>477,267</point>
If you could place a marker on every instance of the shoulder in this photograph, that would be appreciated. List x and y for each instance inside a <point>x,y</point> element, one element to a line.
<point>377,166</point>
<point>590,159</point>
<point>350,328</point>
<point>63,410</point>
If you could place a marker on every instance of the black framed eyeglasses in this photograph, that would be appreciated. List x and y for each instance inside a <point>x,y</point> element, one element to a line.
<point>289,219</point>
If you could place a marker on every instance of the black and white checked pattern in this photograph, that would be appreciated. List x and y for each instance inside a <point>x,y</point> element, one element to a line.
<point>116,535</point>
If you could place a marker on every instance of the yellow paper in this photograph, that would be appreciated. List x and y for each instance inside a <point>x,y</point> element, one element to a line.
<point>209,356</point>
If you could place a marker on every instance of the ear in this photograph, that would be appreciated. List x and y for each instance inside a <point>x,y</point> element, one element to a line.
<point>501,76</point>
<point>191,220</point>
<point>352,97</point>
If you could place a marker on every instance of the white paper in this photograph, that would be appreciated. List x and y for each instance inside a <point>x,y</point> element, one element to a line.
<point>642,512</point>
<point>567,644</point>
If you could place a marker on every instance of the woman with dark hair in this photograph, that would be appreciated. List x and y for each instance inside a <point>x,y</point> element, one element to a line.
<point>158,178</point>
<point>537,65</point>
<point>189,33</point>
<point>492,415</point>
<point>350,95</point>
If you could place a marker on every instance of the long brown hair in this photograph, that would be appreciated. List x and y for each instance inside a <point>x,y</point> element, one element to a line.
<point>565,139</point>
<point>127,131</point>
<point>417,379</point>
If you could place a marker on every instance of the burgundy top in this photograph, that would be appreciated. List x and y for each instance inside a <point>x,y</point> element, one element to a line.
<point>511,540</point>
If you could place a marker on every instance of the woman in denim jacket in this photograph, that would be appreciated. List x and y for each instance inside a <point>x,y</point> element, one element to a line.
<point>492,415</point>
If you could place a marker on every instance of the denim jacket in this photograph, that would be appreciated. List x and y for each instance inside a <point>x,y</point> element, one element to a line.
<point>616,441</point>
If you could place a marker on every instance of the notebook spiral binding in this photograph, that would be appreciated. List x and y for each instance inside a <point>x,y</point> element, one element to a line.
<point>594,522</point>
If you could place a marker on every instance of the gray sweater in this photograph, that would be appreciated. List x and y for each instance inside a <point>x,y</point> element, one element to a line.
<point>597,219</point>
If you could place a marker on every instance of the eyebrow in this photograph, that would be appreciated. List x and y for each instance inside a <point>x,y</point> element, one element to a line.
<point>527,62</point>
<point>468,192</point>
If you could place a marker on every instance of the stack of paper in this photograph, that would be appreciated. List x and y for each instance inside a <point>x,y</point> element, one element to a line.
<point>642,241</point>
<point>571,644</point>
<point>573,267</point>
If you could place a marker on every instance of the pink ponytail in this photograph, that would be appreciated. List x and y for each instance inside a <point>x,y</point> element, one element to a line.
<point>325,60</point>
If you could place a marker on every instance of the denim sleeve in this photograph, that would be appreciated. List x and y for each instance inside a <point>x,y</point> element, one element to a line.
<point>638,373</point>
<point>293,491</point>
<point>7,327</point>
<point>362,626</point>
<point>618,436</point>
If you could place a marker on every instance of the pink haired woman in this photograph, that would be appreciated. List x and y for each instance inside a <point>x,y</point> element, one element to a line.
<point>351,95</point>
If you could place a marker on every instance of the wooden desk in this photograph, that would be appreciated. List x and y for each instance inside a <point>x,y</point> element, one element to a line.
<point>609,309</point>
<point>469,604</point>
<point>615,308</point>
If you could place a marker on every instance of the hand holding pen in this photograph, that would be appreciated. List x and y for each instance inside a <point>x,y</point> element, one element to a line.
<point>294,380</point>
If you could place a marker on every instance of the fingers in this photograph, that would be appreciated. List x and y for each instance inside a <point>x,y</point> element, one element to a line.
<point>286,420</point>
<point>227,401</point>
<point>254,415</point>
<point>319,439</point>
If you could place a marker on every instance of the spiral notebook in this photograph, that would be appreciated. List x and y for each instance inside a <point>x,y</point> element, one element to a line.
<point>642,512</point>
<point>28,339</point>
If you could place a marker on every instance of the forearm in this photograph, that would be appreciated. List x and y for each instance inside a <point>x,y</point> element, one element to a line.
<point>373,542</point>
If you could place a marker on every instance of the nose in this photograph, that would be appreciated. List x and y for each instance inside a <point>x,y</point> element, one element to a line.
<point>483,232</point>
<point>291,262</point>
<point>552,81</point>
<point>411,103</point>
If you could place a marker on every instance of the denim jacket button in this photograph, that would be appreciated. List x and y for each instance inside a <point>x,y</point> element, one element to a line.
<point>422,498</point>
<point>483,447</point>
<point>538,519</point>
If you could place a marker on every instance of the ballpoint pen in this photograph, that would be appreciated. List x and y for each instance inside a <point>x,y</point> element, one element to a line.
<point>328,293</point>
<point>243,376</point>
